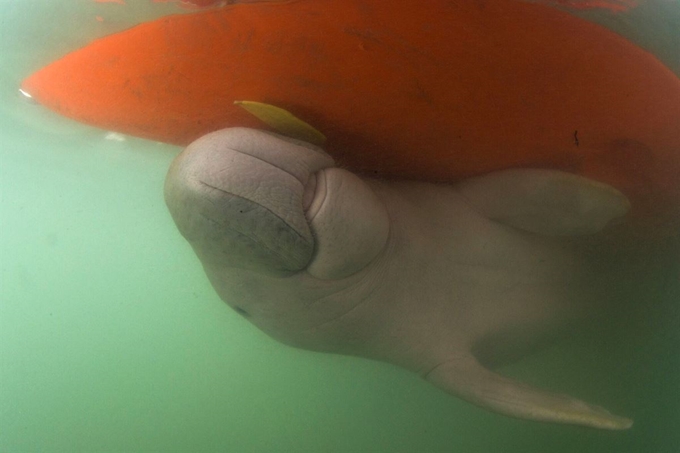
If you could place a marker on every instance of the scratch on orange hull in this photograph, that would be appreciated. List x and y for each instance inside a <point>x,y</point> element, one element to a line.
<point>194,3</point>
<point>616,6</point>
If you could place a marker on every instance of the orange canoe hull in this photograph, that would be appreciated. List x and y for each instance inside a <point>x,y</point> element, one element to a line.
<point>437,92</point>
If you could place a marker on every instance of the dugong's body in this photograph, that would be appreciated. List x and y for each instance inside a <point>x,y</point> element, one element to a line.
<point>421,275</point>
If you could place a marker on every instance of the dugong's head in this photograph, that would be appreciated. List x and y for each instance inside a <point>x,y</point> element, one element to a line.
<point>245,202</point>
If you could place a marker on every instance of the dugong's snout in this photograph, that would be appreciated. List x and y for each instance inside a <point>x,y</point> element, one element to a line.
<point>240,204</point>
<point>254,200</point>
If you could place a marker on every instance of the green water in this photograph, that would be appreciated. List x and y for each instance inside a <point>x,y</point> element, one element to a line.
<point>111,338</point>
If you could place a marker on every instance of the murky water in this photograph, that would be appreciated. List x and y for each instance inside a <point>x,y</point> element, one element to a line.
<point>111,338</point>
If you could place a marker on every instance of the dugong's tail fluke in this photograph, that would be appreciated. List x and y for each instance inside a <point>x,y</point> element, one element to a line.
<point>467,379</point>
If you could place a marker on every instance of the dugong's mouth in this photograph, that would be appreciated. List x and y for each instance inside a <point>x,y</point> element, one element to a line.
<point>314,195</point>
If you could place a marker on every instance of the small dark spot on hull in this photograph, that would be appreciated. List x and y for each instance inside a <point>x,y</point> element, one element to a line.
<point>242,312</point>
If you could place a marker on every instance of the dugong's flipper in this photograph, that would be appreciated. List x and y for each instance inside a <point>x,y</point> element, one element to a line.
<point>467,379</point>
<point>411,273</point>
<point>546,202</point>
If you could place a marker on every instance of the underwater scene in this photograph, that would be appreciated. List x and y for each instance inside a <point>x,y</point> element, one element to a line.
<point>340,226</point>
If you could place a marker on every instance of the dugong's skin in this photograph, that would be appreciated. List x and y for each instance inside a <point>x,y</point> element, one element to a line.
<point>416,274</point>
